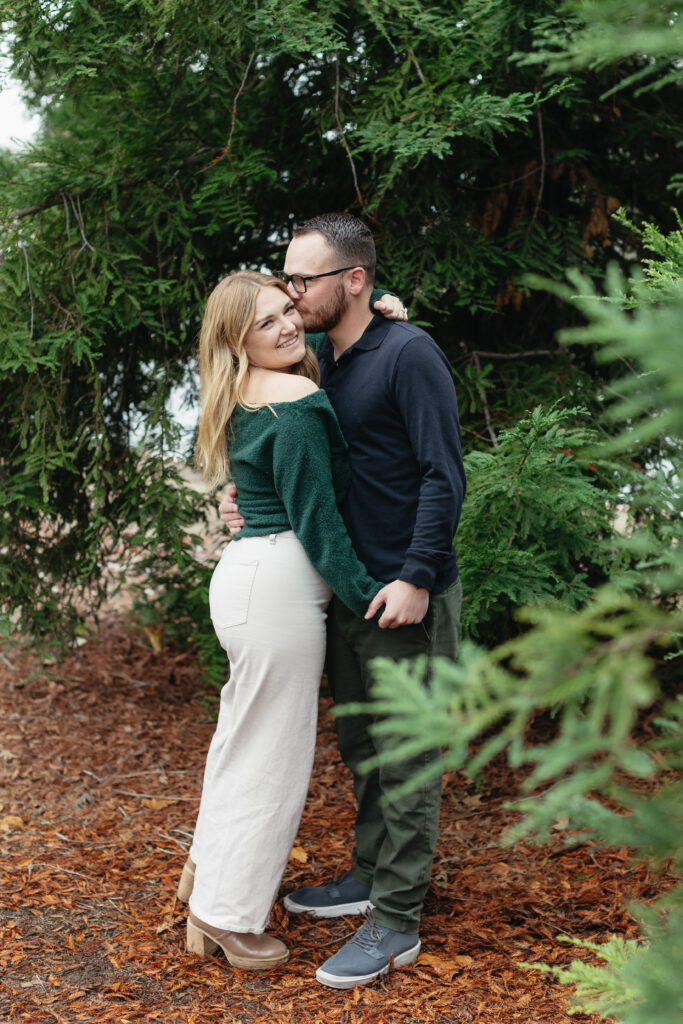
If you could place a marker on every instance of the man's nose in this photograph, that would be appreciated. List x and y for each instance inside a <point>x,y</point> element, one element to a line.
<point>293,293</point>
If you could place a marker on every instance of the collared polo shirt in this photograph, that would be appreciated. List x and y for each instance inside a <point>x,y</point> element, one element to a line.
<point>394,396</point>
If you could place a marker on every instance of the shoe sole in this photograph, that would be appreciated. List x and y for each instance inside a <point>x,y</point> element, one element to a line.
<point>244,963</point>
<point>338,910</point>
<point>337,981</point>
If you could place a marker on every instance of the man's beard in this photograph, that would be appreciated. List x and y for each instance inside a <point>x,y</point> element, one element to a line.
<point>325,318</point>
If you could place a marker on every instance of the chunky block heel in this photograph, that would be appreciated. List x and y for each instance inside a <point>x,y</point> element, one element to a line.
<point>186,883</point>
<point>198,941</point>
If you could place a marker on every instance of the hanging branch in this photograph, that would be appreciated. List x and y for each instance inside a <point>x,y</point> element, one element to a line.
<point>487,410</point>
<point>226,149</point>
<point>345,143</point>
<point>28,211</point>
<point>420,75</point>
<point>78,214</point>
<point>541,183</point>
<point>30,290</point>
<point>519,355</point>
<point>160,294</point>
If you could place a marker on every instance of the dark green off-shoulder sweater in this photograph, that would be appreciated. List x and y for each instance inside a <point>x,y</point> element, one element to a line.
<point>289,464</point>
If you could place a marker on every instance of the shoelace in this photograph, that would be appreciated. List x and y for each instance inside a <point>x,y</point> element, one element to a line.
<point>368,934</point>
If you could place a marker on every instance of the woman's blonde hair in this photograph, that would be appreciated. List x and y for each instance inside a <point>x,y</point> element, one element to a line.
<point>223,364</point>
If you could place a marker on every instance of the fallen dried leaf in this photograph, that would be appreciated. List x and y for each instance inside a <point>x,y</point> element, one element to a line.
<point>155,634</point>
<point>170,922</point>
<point>11,823</point>
<point>447,967</point>
<point>89,890</point>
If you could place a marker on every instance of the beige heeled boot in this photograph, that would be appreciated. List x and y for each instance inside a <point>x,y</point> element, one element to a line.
<point>186,883</point>
<point>242,949</point>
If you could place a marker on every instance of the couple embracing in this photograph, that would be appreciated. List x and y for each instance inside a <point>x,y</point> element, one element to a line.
<point>344,447</point>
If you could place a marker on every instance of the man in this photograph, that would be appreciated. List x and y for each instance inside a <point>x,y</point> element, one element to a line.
<point>392,390</point>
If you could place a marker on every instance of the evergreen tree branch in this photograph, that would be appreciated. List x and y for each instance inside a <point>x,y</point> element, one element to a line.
<point>226,149</point>
<point>485,404</point>
<point>124,184</point>
<point>542,172</point>
<point>561,350</point>
<point>342,133</point>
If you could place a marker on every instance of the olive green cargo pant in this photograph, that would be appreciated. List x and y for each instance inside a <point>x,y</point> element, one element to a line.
<point>395,843</point>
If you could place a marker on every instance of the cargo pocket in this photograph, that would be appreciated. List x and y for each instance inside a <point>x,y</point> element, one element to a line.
<point>230,593</point>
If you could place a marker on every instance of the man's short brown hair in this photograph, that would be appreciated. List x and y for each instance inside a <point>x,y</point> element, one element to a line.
<point>349,238</point>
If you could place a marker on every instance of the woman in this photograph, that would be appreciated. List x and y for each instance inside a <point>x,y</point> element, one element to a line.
<point>268,597</point>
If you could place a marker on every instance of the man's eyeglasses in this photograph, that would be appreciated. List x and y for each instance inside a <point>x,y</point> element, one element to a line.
<point>299,282</point>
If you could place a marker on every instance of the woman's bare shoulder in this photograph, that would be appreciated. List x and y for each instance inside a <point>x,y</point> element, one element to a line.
<point>283,387</point>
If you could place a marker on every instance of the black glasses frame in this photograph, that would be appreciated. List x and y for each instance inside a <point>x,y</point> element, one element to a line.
<point>290,278</point>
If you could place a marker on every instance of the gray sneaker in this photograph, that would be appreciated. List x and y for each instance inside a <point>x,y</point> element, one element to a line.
<point>342,896</point>
<point>373,951</point>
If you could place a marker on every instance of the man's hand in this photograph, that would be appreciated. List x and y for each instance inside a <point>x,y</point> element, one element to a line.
<point>229,512</point>
<point>391,307</point>
<point>404,605</point>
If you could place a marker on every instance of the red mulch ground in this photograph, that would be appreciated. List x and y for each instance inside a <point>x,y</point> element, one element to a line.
<point>101,759</point>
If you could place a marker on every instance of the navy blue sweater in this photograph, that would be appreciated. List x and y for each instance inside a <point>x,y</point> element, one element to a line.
<point>394,395</point>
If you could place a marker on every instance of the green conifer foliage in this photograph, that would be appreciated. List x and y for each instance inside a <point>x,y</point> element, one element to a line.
<point>538,521</point>
<point>181,141</point>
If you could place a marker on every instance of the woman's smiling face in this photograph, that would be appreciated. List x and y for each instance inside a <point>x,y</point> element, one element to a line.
<point>275,340</point>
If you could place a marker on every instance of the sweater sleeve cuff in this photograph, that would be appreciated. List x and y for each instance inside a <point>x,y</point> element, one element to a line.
<point>418,574</point>
<point>376,295</point>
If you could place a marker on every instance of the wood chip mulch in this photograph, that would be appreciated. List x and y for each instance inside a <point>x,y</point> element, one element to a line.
<point>101,760</point>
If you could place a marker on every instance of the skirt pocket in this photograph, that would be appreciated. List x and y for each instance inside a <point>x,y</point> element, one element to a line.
<point>230,593</point>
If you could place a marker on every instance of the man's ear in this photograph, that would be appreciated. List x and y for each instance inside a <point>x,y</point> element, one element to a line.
<point>357,280</point>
